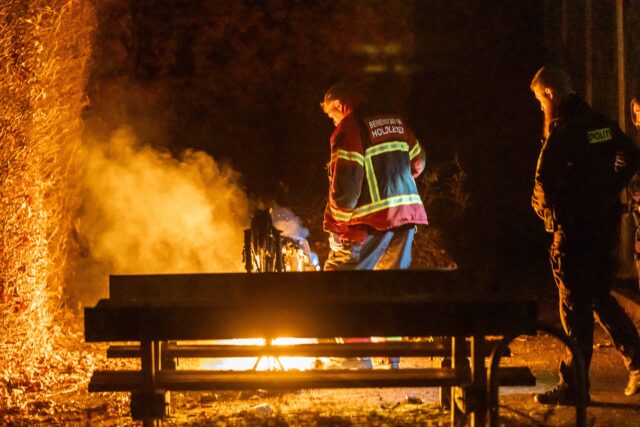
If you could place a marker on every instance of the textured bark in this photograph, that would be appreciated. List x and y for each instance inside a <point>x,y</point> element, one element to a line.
<point>44,49</point>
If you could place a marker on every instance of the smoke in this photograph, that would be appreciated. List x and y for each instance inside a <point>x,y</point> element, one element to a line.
<point>288,223</point>
<point>147,212</point>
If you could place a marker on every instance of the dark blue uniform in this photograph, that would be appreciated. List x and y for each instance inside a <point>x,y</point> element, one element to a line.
<point>576,192</point>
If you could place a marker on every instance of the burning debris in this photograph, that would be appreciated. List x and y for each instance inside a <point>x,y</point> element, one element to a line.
<point>278,245</point>
<point>298,255</point>
<point>272,246</point>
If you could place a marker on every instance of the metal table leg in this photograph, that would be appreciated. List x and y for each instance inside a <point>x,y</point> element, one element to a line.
<point>579,372</point>
<point>479,382</point>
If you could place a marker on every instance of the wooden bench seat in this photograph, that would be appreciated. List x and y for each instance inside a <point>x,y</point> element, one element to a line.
<point>293,380</point>
<point>437,348</point>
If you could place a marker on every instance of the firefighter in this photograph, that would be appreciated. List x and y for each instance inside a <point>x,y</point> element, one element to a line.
<point>584,163</point>
<point>373,204</point>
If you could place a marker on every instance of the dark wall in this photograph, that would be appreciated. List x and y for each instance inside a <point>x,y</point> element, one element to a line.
<point>472,98</point>
<point>240,79</point>
<point>572,31</point>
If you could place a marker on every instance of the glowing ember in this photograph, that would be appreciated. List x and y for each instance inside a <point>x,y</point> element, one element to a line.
<point>265,363</point>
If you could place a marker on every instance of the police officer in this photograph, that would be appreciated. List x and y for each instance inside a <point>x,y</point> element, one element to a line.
<point>584,163</point>
<point>633,189</point>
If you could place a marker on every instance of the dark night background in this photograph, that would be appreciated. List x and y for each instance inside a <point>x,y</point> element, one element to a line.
<point>242,80</point>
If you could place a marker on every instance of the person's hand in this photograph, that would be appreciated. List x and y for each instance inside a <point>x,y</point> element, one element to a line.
<point>335,243</point>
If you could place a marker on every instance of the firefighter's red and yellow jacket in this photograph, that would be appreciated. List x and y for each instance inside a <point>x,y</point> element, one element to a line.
<point>374,160</point>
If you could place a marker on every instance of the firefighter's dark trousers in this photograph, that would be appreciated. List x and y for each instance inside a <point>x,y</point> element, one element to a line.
<point>582,265</point>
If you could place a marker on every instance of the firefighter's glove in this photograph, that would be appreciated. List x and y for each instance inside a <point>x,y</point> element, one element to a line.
<point>335,242</point>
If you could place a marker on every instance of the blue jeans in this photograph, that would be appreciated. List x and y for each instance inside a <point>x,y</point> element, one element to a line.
<point>381,250</point>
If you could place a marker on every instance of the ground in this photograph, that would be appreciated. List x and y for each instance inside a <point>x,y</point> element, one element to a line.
<point>71,405</point>
<point>68,403</point>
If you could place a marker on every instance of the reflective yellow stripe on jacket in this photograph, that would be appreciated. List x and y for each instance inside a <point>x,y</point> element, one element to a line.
<point>414,152</point>
<point>377,203</point>
<point>345,216</point>
<point>340,214</point>
<point>353,156</point>
<point>390,202</point>
<point>371,152</point>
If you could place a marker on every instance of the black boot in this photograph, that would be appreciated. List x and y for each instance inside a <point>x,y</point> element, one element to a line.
<point>561,394</point>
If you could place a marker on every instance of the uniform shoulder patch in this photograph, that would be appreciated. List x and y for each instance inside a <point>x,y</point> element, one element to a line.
<point>599,135</point>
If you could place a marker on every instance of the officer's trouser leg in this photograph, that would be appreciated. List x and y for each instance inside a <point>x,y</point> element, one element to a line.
<point>576,312</point>
<point>620,328</point>
<point>608,312</point>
